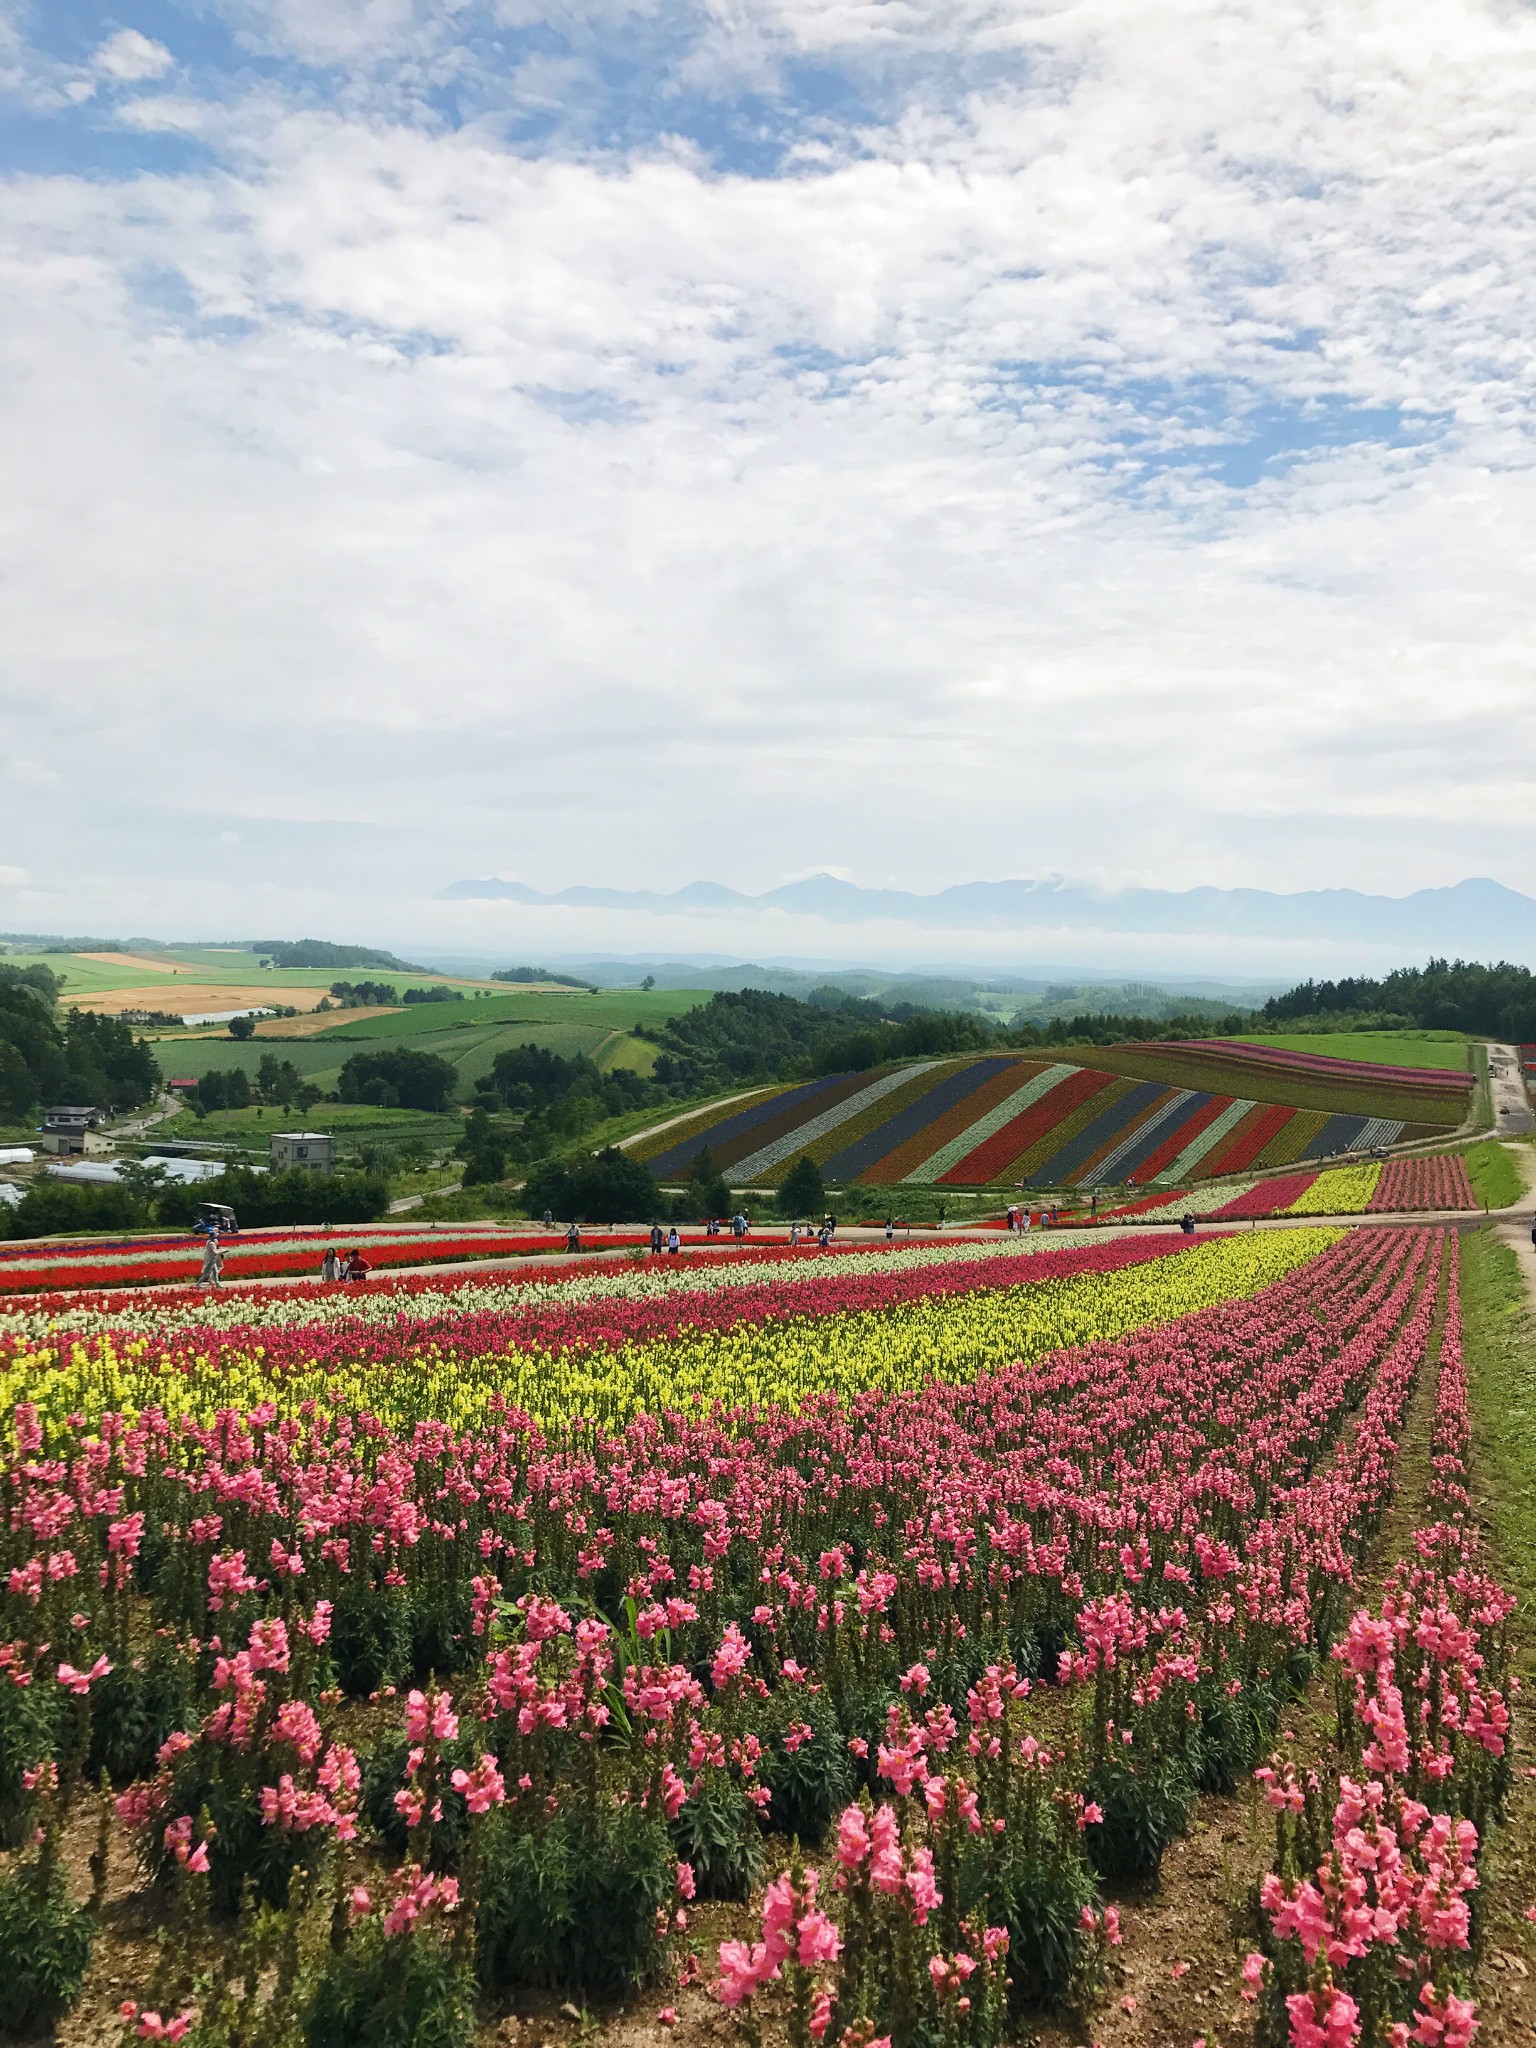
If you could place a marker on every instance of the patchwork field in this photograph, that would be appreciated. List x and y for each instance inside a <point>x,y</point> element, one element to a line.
<point>187,997</point>
<point>1139,1115</point>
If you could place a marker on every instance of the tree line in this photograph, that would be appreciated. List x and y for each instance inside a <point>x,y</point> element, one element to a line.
<point>1444,995</point>
<point>48,1055</point>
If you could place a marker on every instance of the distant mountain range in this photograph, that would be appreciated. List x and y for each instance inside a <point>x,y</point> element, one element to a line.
<point>1479,918</point>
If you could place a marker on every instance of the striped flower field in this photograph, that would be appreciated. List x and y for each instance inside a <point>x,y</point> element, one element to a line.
<point>421,1651</point>
<point>1011,1120</point>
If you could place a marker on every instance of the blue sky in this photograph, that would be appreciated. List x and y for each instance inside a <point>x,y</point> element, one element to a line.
<point>921,438</point>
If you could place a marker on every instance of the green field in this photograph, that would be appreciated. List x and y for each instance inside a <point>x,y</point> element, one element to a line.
<point>1495,1174</point>
<point>191,1058</point>
<point>251,1128</point>
<point>609,1010</point>
<point>468,1035</point>
<point>85,977</point>
<point>1444,1049</point>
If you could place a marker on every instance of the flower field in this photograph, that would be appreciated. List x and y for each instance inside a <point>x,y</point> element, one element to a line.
<point>445,1640</point>
<point>1009,1120</point>
<point>1438,1182</point>
<point>47,1268</point>
<point>848,1325</point>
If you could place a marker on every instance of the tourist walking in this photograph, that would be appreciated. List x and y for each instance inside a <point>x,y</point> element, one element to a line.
<point>655,1238</point>
<point>329,1269</point>
<point>573,1238</point>
<point>674,1242</point>
<point>213,1263</point>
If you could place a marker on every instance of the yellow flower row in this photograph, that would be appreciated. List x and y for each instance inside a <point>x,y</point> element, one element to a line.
<point>949,1338</point>
<point>1341,1191</point>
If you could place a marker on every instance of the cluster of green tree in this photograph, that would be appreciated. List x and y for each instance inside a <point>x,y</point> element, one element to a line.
<point>437,993</point>
<point>1103,1028</point>
<point>141,1198</point>
<point>540,974</point>
<point>608,1187</point>
<point>925,1034</point>
<point>364,995</point>
<point>242,1028</point>
<point>276,1081</point>
<point>749,1034</point>
<point>296,953</point>
<point>37,976</point>
<point>1443,995</point>
<point>398,1077</point>
<point>77,1058</point>
<point>802,1192</point>
<point>533,1101</point>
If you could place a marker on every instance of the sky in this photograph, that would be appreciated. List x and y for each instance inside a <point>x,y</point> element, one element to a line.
<point>625,444</point>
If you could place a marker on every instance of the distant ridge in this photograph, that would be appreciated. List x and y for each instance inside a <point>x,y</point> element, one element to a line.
<point>1477,916</point>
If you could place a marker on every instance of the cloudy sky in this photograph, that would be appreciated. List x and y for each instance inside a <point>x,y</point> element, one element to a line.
<point>926,439</point>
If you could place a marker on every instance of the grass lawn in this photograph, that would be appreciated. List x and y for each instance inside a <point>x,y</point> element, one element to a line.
<point>1501,1371</point>
<point>1446,1049</point>
<point>1499,1343</point>
<point>1495,1174</point>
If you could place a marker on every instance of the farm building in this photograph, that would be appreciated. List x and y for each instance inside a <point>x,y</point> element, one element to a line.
<point>309,1151</point>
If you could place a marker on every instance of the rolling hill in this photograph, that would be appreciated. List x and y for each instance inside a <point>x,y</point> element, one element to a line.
<point>1135,1115</point>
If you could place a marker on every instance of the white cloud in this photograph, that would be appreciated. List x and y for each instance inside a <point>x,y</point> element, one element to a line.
<point>451,508</point>
<point>164,114</point>
<point>130,58</point>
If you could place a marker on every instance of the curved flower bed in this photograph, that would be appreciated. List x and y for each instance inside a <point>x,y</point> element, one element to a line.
<point>611,1359</point>
<point>424,1296</point>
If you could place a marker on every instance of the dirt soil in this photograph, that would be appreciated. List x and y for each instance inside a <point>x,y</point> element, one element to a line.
<point>318,1021</point>
<point>139,962</point>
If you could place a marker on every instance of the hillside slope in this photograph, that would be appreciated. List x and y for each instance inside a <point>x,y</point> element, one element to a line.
<point>1143,1115</point>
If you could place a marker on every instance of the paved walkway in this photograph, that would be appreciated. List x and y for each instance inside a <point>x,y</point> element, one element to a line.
<point>1512,1113</point>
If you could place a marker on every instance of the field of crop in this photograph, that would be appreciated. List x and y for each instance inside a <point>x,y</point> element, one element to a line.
<point>605,1011</point>
<point>1117,1118</point>
<point>833,1635</point>
<point>468,1035</point>
<point>161,975</point>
